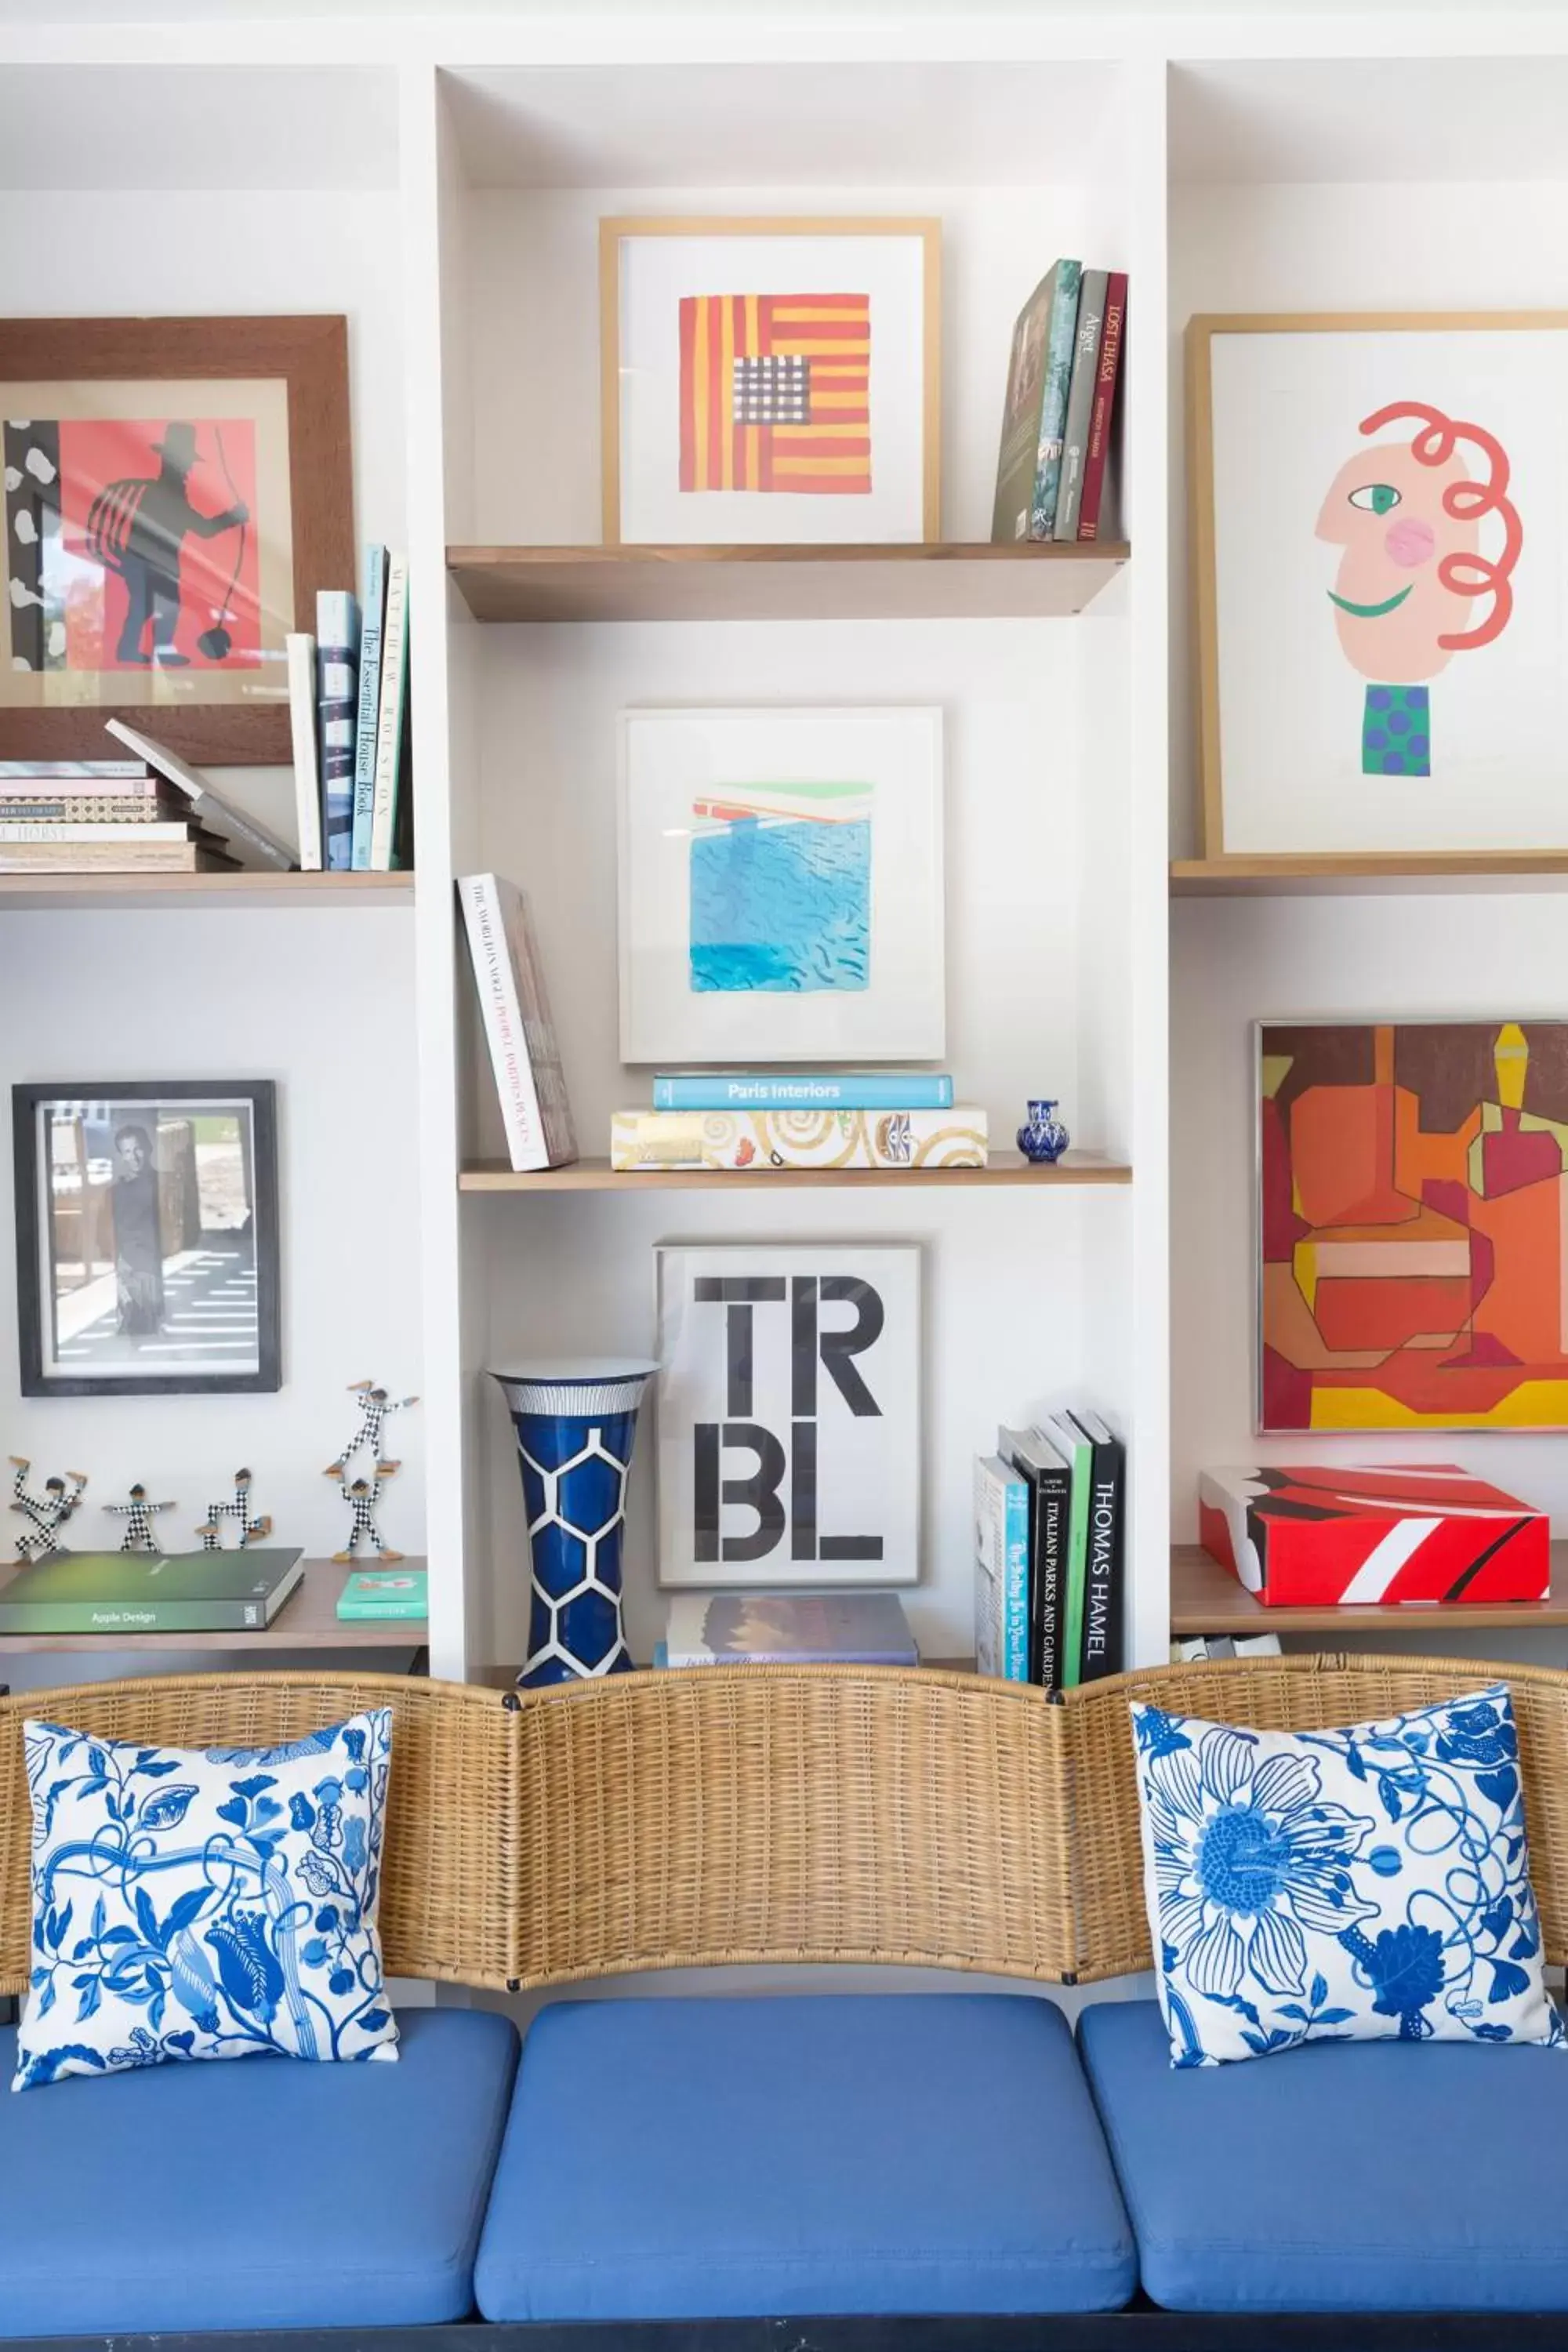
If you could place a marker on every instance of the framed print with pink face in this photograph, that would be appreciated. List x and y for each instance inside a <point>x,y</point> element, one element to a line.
<point>1380,533</point>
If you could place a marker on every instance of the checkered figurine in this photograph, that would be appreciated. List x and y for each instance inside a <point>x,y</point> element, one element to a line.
<point>361,1496</point>
<point>139,1514</point>
<point>376,1408</point>
<point>239,1510</point>
<point>45,1514</point>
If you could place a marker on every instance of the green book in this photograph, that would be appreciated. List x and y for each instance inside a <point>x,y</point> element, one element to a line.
<point>144,1592</point>
<point>1069,1440</point>
<point>1034,418</point>
<point>386,1592</point>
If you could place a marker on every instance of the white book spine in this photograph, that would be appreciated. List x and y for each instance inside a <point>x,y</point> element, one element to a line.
<point>302,649</point>
<point>389,726</point>
<point>504,1031</point>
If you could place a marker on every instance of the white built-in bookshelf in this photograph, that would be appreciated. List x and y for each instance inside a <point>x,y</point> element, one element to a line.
<point>442,184</point>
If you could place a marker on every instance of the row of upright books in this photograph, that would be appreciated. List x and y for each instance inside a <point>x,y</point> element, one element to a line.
<point>1049,1521</point>
<point>149,813</point>
<point>347,702</point>
<point>1055,474</point>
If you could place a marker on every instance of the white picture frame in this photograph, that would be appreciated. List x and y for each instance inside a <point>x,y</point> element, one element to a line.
<point>770,381</point>
<point>831,1448</point>
<point>1381,670</point>
<point>781,885</point>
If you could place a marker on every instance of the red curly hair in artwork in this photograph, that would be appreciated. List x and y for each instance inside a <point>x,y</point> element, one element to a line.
<point>1467,575</point>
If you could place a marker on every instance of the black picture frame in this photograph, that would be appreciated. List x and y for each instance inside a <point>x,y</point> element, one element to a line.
<point>28,1131</point>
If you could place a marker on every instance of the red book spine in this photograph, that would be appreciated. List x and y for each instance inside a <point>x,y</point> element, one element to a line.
<point>1104,407</point>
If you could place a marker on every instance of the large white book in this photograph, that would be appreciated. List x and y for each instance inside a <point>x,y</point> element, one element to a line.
<point>390,723</point>
<point>518,1031</point>
<point>301,650</point>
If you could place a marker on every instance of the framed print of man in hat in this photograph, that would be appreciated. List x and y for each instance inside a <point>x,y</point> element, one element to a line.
<point>172,495</point>
<point>137,525</point>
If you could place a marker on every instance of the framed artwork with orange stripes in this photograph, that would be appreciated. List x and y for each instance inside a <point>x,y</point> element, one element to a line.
<point>770,382</point>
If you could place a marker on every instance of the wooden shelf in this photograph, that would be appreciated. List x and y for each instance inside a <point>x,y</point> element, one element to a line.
<point>263,889</point>
<point>1207,1599</point>
<point>307,1621</point>
<point>598,1176</point>
<point>1291,877</point>
<point>913,583</point>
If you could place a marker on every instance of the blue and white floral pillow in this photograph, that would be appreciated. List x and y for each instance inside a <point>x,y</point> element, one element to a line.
<point>1341,1885</point>
<point>216,1903</point>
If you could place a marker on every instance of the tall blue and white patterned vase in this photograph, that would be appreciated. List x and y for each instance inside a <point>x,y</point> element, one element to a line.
<point>576,1423</point>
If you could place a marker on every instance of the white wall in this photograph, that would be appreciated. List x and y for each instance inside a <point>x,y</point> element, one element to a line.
<point>318,1000</point>
<point>1396,246</point>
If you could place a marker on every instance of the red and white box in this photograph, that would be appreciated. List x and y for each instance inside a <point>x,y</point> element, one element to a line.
<point>1424,1533</point>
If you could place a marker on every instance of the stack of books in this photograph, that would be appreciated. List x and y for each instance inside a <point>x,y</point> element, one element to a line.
<point>787,1629</point>
<point>751,1123</point>
<point>1053,475</point>
<point>347,702</point>
<point>1049,1514</point>
<point>102,816</point>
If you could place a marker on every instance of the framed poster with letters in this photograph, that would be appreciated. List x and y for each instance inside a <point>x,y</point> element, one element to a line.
<point>788,1445</point>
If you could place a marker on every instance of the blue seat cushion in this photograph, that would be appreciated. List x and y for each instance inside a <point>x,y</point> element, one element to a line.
<point>1391,2175</point>
<point>712,2158</point>
<point>256,2192</point>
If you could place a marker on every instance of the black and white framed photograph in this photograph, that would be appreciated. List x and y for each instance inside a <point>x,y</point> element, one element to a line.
<point>147,1237</point>
<point>789,1413</point>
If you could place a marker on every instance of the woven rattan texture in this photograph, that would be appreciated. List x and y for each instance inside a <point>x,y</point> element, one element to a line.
<point>771,1814</point>
<point>1296,1693</point>
<point>775,1813</point>
<point>448,1897</point>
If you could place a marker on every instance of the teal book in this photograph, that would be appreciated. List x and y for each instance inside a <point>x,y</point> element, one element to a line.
<point>1034,418</point>
<point>1002,1569</point>
<point>1079,1451</point>
<point>148,1592</point>
<point>381,1594</point>
<point>845,1090</point>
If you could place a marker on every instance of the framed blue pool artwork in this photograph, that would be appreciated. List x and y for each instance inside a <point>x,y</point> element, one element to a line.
<point>780,884</point>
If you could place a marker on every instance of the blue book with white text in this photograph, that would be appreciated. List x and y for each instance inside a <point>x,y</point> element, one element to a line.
<point>851,1090</point>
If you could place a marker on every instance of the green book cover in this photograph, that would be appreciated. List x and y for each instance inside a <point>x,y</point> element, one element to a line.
<point>1040,373</point>
<point>386,1592</point>
<point>144,1592</point>
<point>1066,1435</point>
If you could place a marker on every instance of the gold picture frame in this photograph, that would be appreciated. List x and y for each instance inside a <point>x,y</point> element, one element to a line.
<point>1312,853</point>
<point>922,479</point>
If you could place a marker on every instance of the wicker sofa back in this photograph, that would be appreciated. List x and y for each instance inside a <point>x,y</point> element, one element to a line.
<point>773,1815</point>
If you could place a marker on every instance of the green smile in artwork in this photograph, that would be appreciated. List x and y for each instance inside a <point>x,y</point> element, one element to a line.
<point>1369,612</point>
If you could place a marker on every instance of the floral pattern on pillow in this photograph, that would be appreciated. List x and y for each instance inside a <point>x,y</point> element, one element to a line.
<point>1341,1885</point>
<point>204,1903</point>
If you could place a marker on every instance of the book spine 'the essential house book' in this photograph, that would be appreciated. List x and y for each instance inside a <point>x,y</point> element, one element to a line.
<point>367,718</point>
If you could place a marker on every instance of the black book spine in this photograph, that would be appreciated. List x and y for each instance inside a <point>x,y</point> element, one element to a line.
<point>1053,1512</point>
<point>1102,1581</point>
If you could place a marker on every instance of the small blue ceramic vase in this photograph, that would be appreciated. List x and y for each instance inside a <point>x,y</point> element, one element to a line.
<point>1043,1137</point>
<point>575,1424</point>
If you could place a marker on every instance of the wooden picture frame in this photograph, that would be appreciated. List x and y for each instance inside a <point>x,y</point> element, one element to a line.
<point>770,530</point>
<point>298,367</point>
<point>233,1309</point>
<point>1393,398</point>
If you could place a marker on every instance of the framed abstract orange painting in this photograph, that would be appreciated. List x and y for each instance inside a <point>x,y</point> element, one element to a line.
<point>1412,1224</point>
